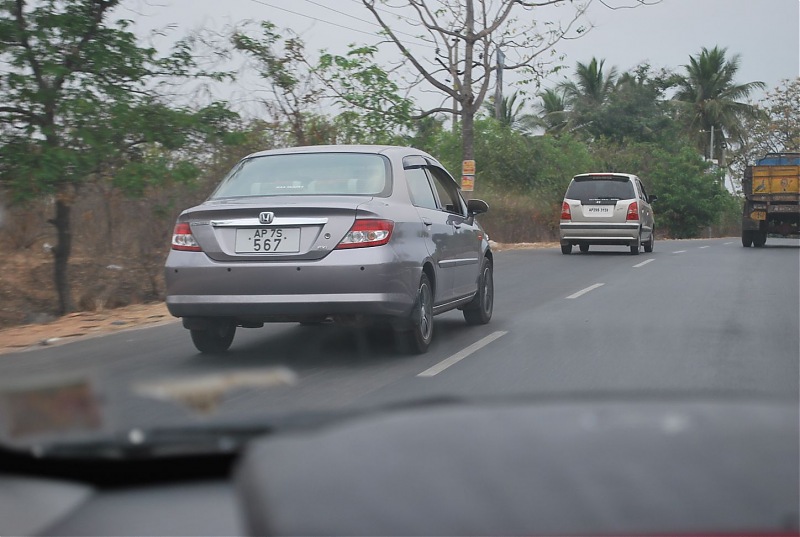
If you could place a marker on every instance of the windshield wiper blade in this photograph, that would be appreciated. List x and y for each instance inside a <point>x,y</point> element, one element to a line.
<point>213,438</point>
<point>157,442</point>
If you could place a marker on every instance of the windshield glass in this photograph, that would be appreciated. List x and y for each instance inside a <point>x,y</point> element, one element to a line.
<point>605,187</point>
<point>224,214</point>
<point>304,174</point>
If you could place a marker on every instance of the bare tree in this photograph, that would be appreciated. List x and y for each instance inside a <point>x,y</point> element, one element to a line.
<point>465,36</point>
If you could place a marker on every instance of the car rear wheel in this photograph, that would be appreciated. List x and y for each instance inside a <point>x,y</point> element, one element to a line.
<point>648,246</point>
<point>479,311</point>
<point>566,248</point>
<point>636,245</point>
<point>214,340</point>
<point>584,247</point>
<point>420,333</point>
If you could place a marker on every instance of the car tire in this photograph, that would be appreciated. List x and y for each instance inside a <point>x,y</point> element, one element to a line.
<point>747,239</point>
<point>420,324</point>
<point>214,340</point>
<point>566,248</point>
<point>636,245</point>
<point>759,238</point>
<point>648,246</point>
<point>479,311</point>
<point>584,247</point>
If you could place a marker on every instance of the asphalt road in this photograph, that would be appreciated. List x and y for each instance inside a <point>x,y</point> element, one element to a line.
<point>704,318</point>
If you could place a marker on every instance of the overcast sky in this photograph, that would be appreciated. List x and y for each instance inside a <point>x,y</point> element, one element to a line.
<point>766,33</point>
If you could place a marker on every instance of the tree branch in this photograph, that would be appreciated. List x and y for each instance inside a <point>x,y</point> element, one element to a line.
<point>22,27</point>
<point>430,78</point>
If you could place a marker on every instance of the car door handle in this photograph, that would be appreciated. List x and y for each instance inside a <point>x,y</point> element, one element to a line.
<point>427,222</point>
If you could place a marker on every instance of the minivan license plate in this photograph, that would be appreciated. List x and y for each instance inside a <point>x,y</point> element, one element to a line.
<point>598,210</point>
<point>267,240</point>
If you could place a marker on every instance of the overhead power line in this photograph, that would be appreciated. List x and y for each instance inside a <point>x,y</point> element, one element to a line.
<point>323,21</point>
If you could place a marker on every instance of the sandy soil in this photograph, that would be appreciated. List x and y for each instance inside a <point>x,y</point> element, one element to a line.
<point>82,325</point>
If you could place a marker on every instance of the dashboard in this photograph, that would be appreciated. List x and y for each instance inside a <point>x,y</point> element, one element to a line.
<point>568,467</point>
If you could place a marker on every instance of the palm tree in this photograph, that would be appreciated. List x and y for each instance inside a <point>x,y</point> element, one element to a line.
<point>552,112</point>
<point>588,92</point>
<point>707,97</point>
<point>591,86</point>
<point>511,112</point>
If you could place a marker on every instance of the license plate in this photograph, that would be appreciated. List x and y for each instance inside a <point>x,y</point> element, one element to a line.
<point>758,215</point>
<point>267,240</point>
<point>598,210</point>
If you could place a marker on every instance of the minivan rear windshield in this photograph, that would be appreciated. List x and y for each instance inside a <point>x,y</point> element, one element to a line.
<point>307,174</point>
<point>601,187</point>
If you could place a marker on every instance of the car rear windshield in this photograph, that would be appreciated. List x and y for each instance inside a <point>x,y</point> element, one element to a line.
<point>304,174</point>
<point>601,187</point>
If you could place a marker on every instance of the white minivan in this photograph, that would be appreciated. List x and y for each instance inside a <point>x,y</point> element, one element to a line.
<point>607,208</point>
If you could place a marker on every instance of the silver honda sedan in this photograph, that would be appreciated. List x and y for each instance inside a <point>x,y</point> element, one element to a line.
<point>309,234</point>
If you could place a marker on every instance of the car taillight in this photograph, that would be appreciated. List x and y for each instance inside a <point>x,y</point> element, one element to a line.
<point>633,212</point>
<point>367,232</point>
<point>565,212</point>
<point>182,238</point>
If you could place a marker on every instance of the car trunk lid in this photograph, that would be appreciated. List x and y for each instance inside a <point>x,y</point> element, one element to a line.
<point>272,228</point>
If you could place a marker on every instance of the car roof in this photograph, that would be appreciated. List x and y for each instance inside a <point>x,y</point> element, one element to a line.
<point>388,150</point>
<point>605,174</point>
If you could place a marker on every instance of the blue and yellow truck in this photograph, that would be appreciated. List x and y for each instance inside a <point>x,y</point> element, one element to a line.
<point>772,199</point>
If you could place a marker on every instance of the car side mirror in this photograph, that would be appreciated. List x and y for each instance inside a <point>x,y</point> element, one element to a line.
<point>475,207</point>
<point>651,199</point>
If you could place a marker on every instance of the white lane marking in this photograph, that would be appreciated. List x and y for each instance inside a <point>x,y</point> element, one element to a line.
<point>460,355</point>
<point>643,263</point>
<point>701,247</point>
<point>679,252</point>
<point>727,243</point>
<point>584,291</point>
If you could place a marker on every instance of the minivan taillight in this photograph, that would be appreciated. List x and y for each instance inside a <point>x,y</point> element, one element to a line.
<point>367,232</point>
<point>565,212</point>
<point>182,238</point>
<point>633,212</point>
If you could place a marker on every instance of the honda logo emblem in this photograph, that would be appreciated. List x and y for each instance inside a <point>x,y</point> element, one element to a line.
<point>266,217</point>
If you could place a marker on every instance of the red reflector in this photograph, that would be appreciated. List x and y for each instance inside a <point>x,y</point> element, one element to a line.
<point>566,214</point>
<point>367,232</point>
<point>633,212</point>
<point>182,238</point>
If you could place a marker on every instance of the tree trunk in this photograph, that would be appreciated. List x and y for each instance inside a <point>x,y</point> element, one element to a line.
<point>62,251</point>
<point>468,99</point>
<point>468,135</point>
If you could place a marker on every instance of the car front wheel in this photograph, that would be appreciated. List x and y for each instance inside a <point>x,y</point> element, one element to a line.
<point>214,340</point>
<point>479,311</point>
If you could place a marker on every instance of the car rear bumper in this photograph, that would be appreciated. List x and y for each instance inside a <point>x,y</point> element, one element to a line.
<point>596,233</point>
<point>368,281</point>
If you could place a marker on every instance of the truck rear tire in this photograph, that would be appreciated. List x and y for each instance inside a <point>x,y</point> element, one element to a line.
<point>747,238</point>
<point>759,238</point>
